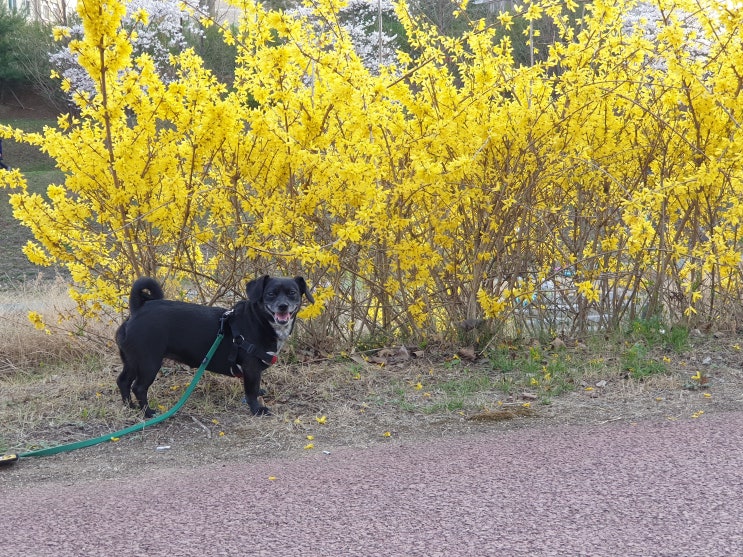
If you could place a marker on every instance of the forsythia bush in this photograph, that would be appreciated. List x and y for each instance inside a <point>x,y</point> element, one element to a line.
<point>602,181</point>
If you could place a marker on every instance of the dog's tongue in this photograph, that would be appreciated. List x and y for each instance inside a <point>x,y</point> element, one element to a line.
<point>282,317</point>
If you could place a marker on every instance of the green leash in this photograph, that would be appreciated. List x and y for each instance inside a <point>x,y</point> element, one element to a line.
<point>9,458</point>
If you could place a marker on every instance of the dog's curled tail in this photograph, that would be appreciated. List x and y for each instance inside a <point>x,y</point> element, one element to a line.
<point>143,290</point>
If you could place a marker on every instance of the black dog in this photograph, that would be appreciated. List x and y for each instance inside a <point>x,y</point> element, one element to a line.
<point>159,328</point>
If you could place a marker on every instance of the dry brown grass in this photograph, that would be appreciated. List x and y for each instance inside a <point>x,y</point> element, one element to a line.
<point>67,336</point>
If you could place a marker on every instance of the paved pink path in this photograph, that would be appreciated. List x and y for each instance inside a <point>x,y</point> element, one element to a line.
<point>653,489</point>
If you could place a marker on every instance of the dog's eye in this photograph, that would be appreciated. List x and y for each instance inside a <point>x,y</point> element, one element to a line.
<point>270,294</point>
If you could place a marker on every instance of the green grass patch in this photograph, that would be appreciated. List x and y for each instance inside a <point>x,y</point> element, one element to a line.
<point>545,373</point>
<point>39,170</point>
<point>638,363</point>
<point>654,333</point>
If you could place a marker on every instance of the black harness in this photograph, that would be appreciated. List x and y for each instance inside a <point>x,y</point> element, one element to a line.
<point>239,343</point>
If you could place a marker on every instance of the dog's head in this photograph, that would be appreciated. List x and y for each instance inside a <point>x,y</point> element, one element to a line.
<point>279,297</point>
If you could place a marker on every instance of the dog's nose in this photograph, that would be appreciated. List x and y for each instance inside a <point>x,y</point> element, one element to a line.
<point>283,307</point>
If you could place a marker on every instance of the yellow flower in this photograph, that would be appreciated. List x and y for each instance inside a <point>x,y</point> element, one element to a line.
<point>38,321</point>
<point>59,33</point>
<point>141,16</point>
<point>387,434</point>
<point>321,420</point>
<point>309,446</point>
<point>506,20</point>
<point>310,437</point>
<point>418,386</point>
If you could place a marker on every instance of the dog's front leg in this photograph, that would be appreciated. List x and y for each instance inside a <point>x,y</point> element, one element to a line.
<point>252,385</point>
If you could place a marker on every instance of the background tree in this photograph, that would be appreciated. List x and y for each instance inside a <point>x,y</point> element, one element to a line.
<point>169,28</point>
<point>12,26</point>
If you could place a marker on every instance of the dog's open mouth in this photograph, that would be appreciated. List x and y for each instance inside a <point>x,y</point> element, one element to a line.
<point>282,318</point>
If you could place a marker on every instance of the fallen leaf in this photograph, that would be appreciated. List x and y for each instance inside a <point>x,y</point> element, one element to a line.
<point>557,343</point>
<point>467,353</point>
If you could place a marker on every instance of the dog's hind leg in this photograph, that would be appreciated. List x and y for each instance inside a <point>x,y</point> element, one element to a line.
<point>145,377</point>
<point>124,381</point>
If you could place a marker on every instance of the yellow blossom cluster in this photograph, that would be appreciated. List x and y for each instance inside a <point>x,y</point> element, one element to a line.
<point>452,185</point>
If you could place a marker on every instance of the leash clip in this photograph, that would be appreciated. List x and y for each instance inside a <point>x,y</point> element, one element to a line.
<point>226,316</point>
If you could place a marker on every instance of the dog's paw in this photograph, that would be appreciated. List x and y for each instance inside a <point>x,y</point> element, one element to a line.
<point>262,411</point>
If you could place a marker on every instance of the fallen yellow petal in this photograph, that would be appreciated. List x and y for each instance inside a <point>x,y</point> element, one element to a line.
<point>309,446</point>
<point>310,437</point>
<point>114,439</point>
<point>321,419</point>
<point>386,434</point>
<point>271,478</point>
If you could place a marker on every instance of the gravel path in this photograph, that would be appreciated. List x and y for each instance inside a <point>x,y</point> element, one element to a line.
<point>647,489</point>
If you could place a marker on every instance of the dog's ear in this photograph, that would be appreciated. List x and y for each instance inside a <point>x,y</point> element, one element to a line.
<point>303,289</point>
<point>255,288</point>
